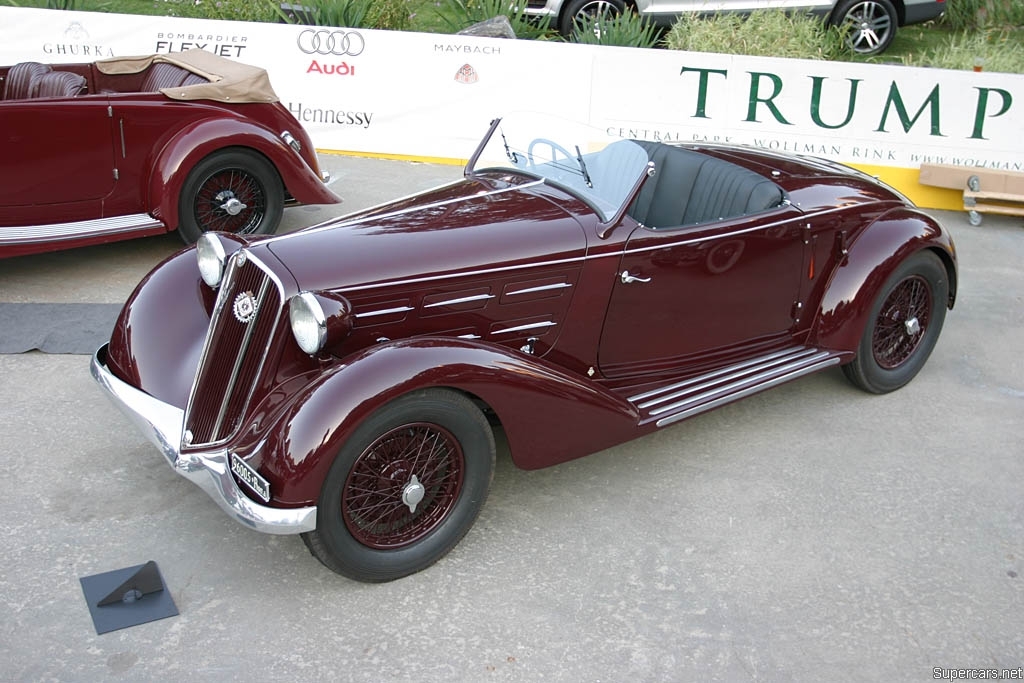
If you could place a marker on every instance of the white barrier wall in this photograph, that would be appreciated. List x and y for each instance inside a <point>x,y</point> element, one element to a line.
<point>431,96</point>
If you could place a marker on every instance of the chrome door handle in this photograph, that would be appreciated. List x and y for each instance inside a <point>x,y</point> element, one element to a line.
<point>628,279</point>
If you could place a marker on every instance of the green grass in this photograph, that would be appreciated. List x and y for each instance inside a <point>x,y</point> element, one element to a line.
<point>989,31</point>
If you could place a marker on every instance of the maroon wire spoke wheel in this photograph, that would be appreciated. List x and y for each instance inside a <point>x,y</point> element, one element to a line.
<point>902,322</point>
<point>403,486</point>
<point>231,200</point>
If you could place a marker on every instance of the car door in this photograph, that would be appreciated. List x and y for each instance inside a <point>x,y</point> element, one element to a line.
<point>58,159</point>
<point>703,294</point>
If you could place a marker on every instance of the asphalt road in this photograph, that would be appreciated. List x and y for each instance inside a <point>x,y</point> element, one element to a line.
<point>809,533</point>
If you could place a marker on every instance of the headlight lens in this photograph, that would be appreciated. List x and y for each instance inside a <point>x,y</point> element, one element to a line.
<point>309,324</point>
<point>210,257</point>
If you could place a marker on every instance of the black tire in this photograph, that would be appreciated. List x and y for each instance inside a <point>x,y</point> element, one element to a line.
<point>576,10</point>
<point>870,24</point>
<point>903,326</point>
<point>377,473</point>
<point>234,190</point>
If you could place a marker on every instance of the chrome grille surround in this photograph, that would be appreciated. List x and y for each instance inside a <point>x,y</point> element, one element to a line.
<point>234,352</point>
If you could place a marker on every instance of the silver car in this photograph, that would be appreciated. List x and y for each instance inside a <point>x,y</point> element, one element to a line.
<point>872,23</point>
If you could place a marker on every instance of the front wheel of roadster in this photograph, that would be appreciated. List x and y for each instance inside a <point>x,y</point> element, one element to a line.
<point>405,488</point>
<point>903,326</point>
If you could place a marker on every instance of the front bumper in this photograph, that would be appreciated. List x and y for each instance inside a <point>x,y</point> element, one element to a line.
<point>162,424</point>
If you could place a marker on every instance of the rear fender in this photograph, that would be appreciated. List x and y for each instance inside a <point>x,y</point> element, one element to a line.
<point>201,138</point>
<point>548,415</point>
<point>871,259</point>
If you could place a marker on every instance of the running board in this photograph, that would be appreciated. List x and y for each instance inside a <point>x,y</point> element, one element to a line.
<point>66,231</point>
<point>696,395</point>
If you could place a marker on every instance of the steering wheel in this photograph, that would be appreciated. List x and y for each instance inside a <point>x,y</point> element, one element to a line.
<point>554,146</point>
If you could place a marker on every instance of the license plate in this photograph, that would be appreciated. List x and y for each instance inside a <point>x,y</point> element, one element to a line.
<point>250,477</point>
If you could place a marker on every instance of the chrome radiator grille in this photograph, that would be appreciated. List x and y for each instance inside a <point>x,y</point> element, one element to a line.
<point>242,327</point>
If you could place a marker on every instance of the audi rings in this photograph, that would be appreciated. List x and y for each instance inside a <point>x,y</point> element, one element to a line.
<point>323,42</point>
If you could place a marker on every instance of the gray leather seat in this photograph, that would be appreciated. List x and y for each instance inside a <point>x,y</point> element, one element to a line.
<point>689,188</point>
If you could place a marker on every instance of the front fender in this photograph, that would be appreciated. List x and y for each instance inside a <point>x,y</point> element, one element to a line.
<point>158,338</point>
<point>878,250</point>
<point>201,138</point>
<point>548,415</point>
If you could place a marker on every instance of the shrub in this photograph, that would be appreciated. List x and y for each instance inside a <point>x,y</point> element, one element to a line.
<point>965,15</point>
<point>996,50</point>
<point>764,33</point>
<point>627,29</point>
<point>460,14</point>
<point>236,10</point>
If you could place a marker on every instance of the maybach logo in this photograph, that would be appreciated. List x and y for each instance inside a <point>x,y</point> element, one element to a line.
<point>331,42</point>
<point>76,43</point>
<point>466,74</point>
<point>219,44</point>
<point>451,48</point>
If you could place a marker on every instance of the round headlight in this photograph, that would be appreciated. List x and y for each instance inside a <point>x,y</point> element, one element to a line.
<point>309,324</point>
<point>210,257</point>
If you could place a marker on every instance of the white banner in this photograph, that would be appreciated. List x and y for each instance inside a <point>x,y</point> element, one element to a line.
<point>431,96</point>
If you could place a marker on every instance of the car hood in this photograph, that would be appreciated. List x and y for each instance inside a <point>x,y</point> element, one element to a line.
<point>472,225</point>
<point>810,183</point>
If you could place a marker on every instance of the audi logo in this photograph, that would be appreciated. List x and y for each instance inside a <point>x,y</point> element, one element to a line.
<point>323,42</point>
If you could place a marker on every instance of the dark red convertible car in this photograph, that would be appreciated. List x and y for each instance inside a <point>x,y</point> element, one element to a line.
<point>137,146</point>
<point>344,381</point>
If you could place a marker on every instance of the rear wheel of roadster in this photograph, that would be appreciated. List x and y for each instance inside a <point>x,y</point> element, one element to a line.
<point>233,190</point>
<point>405,488</point>
<point>903,326</point>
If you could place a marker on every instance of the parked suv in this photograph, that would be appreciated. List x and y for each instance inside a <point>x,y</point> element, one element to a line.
<point>872,23</point>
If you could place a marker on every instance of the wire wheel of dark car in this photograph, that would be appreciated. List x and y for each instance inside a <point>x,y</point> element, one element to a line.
<point>870,25</point>
<point>904,325</point>
<point>235,191</point>
<point>581,12</point>
<point>405,488</point>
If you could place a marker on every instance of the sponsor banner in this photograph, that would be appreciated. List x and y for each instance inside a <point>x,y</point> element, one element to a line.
<point>432,96</point>
<point>856,113</point>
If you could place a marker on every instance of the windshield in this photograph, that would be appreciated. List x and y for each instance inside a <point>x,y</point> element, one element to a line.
<point>572,156</point>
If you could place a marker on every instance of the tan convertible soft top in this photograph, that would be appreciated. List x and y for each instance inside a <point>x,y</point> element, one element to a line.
<point>230,81</point>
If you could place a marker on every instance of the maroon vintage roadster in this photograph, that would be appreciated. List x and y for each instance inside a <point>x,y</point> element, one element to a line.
<point>137,146</point>
<point>344,381</point>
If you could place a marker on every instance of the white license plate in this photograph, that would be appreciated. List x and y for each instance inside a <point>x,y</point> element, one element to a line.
<point>250,477</point>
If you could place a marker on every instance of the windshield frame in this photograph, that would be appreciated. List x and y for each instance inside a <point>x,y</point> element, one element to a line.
<point>580,160</point>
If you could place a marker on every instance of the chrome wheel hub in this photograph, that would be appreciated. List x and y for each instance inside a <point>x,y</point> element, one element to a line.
<point>412,494</point>
<point>912,326</point>
<point>229,203</point>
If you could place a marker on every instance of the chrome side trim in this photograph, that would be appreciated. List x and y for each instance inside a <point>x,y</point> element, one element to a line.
<point>385,311</point>
<point>63,231</point>
<point>522,328</point>
<point>460,300</point>
<point>162,424</point>
<point>542,288</point>
<point>725,374</point>
<point>765,375</point>
<point>729,398</point>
